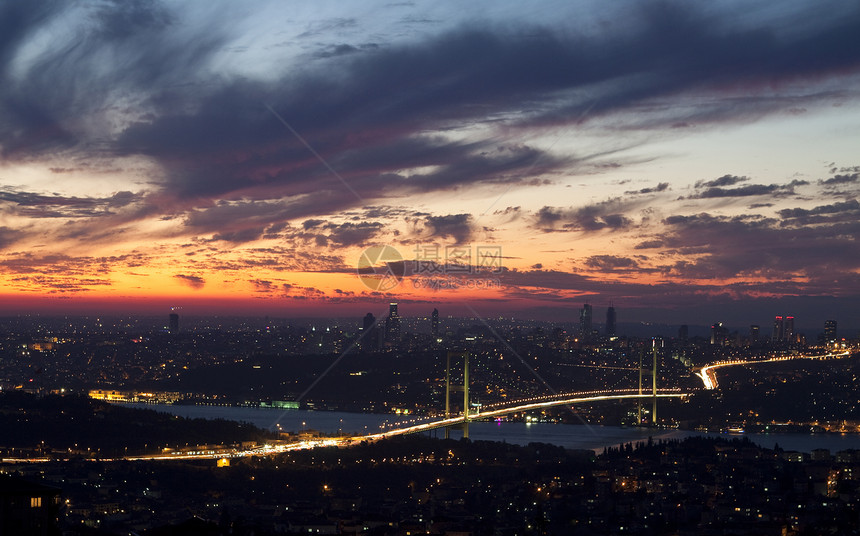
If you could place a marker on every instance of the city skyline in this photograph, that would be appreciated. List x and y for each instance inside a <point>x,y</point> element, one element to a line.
<point>685,163</point>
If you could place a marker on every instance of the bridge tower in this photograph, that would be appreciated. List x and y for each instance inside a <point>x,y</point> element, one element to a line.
<point>642,370</point>
<point>449,388</point>
<point>654,381</point>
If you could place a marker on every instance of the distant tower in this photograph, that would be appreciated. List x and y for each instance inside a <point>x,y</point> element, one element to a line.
<point>754,334</point>
<point>830,331</point>
<point>683,332</point>
<point>173,326</point>
<point>778,330</point>
<point>585,322</point>
<point>392,325</point>
<point>369,321</point>
<point>718,333</point>
<point>610,321</point>
<point>434,323</point>
<point>788,335</point>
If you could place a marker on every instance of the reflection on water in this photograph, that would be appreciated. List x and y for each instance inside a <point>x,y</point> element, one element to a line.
<point>574,436</point>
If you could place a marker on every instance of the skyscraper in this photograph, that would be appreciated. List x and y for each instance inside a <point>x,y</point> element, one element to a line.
<point>585,322</point>
<point>173,326</point>
<point>369,321</point>
<point>719,334</point>
<point>610,321</point>
<point>683,332</point>
<point>754,334</point>
<point>778,330</point>
<point>789,329</point>
<point>392,325</point>
<point>370,337</point>
<point>830,331</point>
<point>434,323</point>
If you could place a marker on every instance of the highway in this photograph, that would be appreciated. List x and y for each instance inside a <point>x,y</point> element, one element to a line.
<point>709,376</point>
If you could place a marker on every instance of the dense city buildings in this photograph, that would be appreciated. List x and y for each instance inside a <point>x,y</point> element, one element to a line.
<point>67,371</point>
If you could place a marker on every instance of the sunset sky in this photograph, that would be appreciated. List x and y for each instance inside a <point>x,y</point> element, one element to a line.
<point>689,162</point>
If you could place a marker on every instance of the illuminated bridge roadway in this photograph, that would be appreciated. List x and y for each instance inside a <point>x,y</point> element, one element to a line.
<point>709,376</point>
<point>487,412</point>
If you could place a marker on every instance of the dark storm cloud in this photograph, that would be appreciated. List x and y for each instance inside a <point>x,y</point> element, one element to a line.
<point>851,206</point>
<point>369,117</point>
<point>610,262</point>
<point>64,273</point>
<point>661,187</point>
<point>44,102</point>
<point>58,284</point>
<point>277,259</point>
<point>649,244</point>
<point>247,220</point>
<point>750,245</point>
<point>725,180</point>
<point>262,286</point>
<point>608,214</point>
<point>750,190</point>
<point>847,212</point>
<point>841,179</point>
<point>56,206</point>
<point>239,237</point>
<point>352,234</point>
<point>455,226</point>
<point>310,224</point>
<point>9,236</point>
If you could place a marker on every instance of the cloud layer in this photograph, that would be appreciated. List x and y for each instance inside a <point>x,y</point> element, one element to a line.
<point>365,137</point>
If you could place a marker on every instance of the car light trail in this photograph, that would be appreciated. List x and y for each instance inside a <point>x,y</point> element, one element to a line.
<point>709,376</point>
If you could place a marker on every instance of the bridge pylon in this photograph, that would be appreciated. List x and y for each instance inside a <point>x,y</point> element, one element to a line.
<point>653,371</point>
<point>449,388</point>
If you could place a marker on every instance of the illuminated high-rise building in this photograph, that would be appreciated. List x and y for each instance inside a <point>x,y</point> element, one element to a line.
<point>392,325</point>
<point>778,330</point>
<point>434,323</point>
<point>788,336</point>
<point>754,334</point>
<point>830,331</point>
<point>585,322</point>
<point>719,334</point>
<point>610,321</point>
